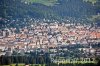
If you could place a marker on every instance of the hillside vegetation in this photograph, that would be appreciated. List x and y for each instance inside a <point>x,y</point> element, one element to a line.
<point>92,1</point>
<point>74,10</point>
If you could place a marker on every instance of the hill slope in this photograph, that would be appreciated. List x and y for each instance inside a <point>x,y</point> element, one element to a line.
<point>40,9</point>
<point>71,8</point>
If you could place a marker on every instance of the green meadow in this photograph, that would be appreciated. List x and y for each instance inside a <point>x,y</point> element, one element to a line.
<point>45,2</point>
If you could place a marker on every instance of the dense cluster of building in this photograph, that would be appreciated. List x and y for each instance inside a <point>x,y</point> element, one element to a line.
<point>46,35</point>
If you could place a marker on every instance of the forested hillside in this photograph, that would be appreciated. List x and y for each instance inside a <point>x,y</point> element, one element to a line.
<point>49,9</point>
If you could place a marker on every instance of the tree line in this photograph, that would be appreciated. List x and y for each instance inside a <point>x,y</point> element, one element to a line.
<point>7,60</point>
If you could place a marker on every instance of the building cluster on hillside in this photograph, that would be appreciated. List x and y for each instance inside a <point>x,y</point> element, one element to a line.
<point>45,35</point>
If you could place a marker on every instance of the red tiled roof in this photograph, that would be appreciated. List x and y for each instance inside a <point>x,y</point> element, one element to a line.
<point>98,35</point>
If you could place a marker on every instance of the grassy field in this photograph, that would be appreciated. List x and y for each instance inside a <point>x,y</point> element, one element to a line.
<point>45,2</point>
<point>52,2</point>
<point>71,64</point>
<point>21,64</point>
<point>24,65</point>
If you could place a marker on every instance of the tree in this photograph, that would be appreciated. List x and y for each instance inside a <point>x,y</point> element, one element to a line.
<point>91,1</point>
<point>9,60</point>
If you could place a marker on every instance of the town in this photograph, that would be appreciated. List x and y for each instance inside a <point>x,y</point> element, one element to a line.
<point>42,35</point>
